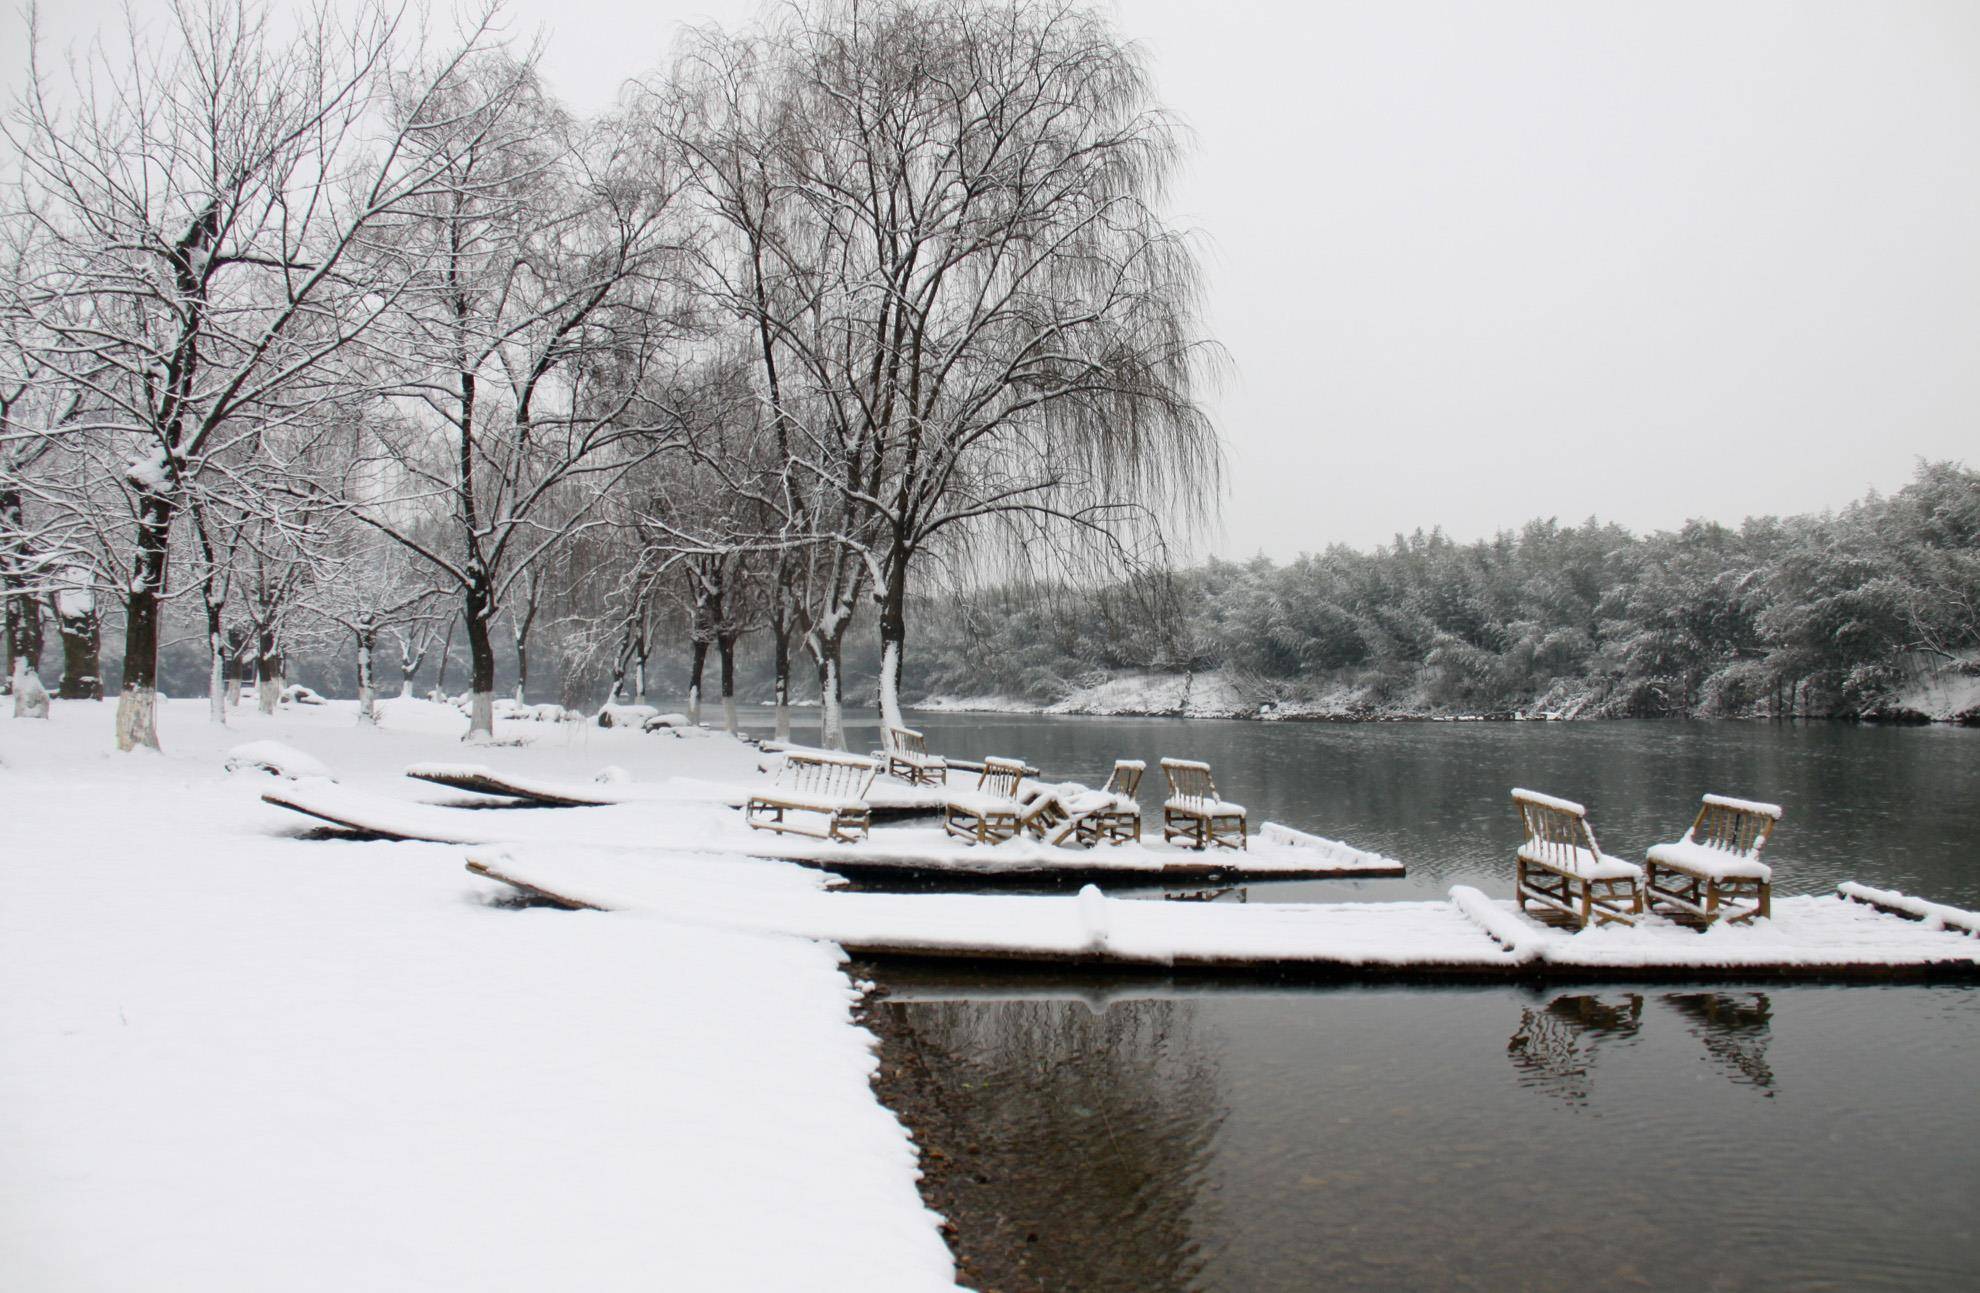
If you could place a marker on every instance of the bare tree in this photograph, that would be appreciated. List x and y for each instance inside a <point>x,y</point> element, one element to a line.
<point>525,356</point>
<point>972,317</point>
<point>198,201</point>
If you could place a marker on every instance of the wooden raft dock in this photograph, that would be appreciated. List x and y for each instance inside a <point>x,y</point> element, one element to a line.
<point>1468,936</point>
<point>708,828</point>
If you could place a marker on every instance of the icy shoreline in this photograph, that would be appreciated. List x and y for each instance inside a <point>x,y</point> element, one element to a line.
<point>241,1058</point>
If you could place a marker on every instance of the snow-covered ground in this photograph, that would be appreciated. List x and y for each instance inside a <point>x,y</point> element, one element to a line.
<point>235,1058</point>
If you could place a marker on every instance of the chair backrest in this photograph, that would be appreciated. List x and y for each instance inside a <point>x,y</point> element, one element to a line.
<point>1189,780</point>
<point>1738,826</point>
<point>1125,779</point>
<point>1000,776</point>
<point>903,740</point>
<point>1555,828</point>
<point>836,776</point>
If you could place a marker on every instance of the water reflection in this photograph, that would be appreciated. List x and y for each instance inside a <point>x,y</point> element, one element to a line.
<point>1554,1048</point>
<point>1078,1139</point>
<point>1736,1028</point>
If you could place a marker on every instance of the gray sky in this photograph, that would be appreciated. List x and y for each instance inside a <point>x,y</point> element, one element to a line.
<point>1480,262</point>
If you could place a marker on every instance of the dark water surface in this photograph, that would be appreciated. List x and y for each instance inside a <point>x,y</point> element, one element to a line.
<point>1156,1135</point>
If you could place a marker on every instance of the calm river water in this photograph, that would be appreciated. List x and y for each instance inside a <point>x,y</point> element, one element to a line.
<point>1162,1134</point>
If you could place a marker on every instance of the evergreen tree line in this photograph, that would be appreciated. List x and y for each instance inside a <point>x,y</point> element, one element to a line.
<point>1829,614</point>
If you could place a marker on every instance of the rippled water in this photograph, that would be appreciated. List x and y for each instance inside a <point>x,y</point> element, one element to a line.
<point>1157,1134</point>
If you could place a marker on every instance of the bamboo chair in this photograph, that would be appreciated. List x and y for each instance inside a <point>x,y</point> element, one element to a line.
<point>1715,873</point>
<point>907,756</point>
<point>828,791</point>
<point>990,813</point>
<point>1194,814</point>
<point>1561,867</point>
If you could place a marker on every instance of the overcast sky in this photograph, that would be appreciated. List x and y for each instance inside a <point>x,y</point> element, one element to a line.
<point>1480,262</point>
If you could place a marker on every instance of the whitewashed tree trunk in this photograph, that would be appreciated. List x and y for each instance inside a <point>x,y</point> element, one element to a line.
<point>831,716</point>
<point>783,709</point>
<point>137,718</point>
<point>30,697</point>
<point>694,705</point>
<point>729,723</point>
<point>481,718</point>
<point>890,685</point>
<point>367,686</point>
<point>218,685</point>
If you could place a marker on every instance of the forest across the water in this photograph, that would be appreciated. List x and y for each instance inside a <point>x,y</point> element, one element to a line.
<point>1872,611</point>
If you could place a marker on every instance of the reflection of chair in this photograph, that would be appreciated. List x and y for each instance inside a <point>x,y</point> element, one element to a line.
<point>988,814</point>
<point>1715,871</point>
<point>831,787</point>
<point>1735,1030</point>
<point>1554,1047</point>
<point>1193,814</point>
<point>908,757</point>
<point>1561,867</point>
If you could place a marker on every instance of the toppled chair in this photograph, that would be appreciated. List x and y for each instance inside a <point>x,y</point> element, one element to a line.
<point>1561,867</point>
<point>1715,872</point>
<point>829,790</point>
<point>1194,814</point>
<point>907,755</point>
<point>990,813</point>
<point>1111,813</point>
<point>1074,814</point>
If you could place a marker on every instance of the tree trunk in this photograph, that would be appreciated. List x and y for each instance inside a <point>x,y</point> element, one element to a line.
<point>82,644</point>
<point>893,638</point>
<point>268,672</point>
<point>440,673</point>
<point>697,660</point>
<point>217,685</point>
<point>522,668</point>
<point>30,697</point>
<point>240,659</point>
<point>137,704</point>
<point>725,647</point>
<point>367,685</point>
<point>24,645</point>
<point>781,645</point>
<point>831,713</point>
<point>481,662</point>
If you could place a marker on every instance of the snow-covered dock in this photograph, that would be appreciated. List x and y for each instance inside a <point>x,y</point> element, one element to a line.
<point>704,826</point>
<point>886,798</point>
<point>1469,935</point>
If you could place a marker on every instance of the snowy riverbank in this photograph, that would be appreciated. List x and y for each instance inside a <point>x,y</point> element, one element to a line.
<point>237,1058</point>
<point>1951,695</point>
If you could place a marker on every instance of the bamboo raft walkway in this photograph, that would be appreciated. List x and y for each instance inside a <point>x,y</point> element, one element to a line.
<point>1848,937</point>
<point>707,826</point>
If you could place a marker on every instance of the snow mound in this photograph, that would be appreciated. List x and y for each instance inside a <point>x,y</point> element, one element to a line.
<point>612,775</point>
<point>626,715</point>
<point>297,694</point>
<point>657,722</point>
<point>277,759</point>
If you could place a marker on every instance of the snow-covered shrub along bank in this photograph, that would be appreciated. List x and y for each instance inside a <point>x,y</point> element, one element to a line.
<point>239,1059</point>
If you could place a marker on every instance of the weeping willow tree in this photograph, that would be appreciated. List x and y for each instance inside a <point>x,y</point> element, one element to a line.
<point>975,320</point>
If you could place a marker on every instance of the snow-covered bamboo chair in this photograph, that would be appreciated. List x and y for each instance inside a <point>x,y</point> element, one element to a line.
<point>1561,867</point>
<point>1069,813</point>
<point>1715,872</point>
<point>827,790</point>
<point>908,758</point>
<point>991,813</point>
<point>1194,814</point>
<point>1110,813</point>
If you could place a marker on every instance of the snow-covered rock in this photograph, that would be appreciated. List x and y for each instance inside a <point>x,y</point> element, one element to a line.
<point>297,694</point>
